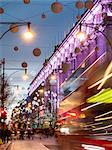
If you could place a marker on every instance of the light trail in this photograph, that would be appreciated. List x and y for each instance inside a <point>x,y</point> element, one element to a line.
<point>104,114</point>
<point>92,147</point>
<point>101,128</point>
<point>86,108</point>
<point>102,119</point>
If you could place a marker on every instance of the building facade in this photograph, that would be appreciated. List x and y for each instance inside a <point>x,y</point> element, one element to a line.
<point>75,73</point>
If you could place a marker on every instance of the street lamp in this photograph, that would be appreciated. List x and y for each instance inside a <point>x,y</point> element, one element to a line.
<point>81,35</point>
<point>17,90</point>
<point>25,75</point>
<point>28,35</point>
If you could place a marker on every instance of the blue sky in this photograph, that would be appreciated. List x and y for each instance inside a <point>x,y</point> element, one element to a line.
<point>49,32</point>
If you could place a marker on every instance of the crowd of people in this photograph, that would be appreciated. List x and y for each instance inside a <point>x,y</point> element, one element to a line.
<point>22,132</point>
<point>7,134</point>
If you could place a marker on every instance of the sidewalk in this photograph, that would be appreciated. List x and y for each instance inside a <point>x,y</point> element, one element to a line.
<point>49,142</point>
<point>35,144</point>
<point>27,145</point>
<point>5,146</point>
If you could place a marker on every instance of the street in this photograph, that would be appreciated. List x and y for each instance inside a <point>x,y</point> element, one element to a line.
<point>51,144</point>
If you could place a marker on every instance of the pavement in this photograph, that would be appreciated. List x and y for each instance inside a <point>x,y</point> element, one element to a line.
<point>27,145</point>
<point>5,146</point>
<point>40,142</point>
<point>37,143</point>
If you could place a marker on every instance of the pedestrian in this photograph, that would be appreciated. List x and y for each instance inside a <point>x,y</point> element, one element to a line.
<point>29,132</point>
<point>1,143</point>
<point>8,134</point>
<point>32,133</point>
<point>3,135</point>
<point>22,134</point>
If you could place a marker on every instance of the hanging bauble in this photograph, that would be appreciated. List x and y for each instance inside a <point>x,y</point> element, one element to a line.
<point>1,10</point>
<point>26,1</point>
<point>16,48</point>
<point>24,64</point>
<point>14,28</point>
<point>65,67</point>
<point>78,17</point>
<point>36,52</point>
<point>77,50</point>
<point>43,16</point>
<point>56,7</point>
<point>96,48</point>
<point>89,4</point>
<point>79,4</point>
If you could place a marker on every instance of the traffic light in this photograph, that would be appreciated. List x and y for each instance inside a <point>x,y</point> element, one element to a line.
<point>3,114</point>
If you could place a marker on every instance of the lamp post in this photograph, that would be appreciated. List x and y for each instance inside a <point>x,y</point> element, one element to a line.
<point>2,87</point>
<point>82,35</point>
<point>28,34</point>
<point>4,81</point>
